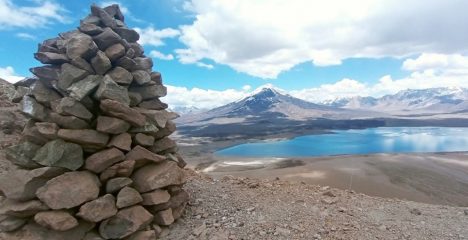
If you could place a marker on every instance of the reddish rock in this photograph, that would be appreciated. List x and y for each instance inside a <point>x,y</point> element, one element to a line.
<point>122,141</point>
<point>155,176</point>
<point>163,145</point>
<point>22,209</point>
<point>115,51</point>
<point>155,197</point>
<point>126,222</point>
<point>144,140</point>
<point>123,169</point>
<point>164,218</point>
<point>87,138</point>
<point>47,129</point>
<point>119,110</point>
<point>98,209</point>
<point>100,161</point>
<point>115,184</point>
<point>56,220</point>
<point>142,156</point>
<point>128,196</point>
<point>111,125</point>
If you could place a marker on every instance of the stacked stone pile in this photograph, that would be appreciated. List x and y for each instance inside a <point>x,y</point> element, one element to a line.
<point>95,160</point>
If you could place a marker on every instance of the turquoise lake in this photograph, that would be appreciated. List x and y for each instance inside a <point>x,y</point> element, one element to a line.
<point>362,141</point>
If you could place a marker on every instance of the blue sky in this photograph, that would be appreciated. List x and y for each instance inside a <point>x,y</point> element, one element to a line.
<point>214,52</point>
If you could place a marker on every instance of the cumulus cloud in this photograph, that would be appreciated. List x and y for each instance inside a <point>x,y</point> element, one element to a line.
<point>436,61</point>
<point>264,38</point>
<point>151,36</point>
<point>8,73</point>
<point>160,55</point>
<point>39,15</point>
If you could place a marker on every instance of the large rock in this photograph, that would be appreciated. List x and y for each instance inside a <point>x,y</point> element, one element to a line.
<point>156,197</point>
<point>47,129</point>
<point>108,89</point>
<point>121,76</point>
<point>70,106</point>
<point>122,111</point>
<point>83,64</point>
<point>31,108</point>
<point>115,52</point>
<point>128,34</point>
<point>22,184</point>
<point>81,45</point>
<point>83,88</point>
<point>58,220</point>
<point>43,94</point>
<point>126,222</point>
<point>48,73</point>
<point>122,169</point>
<point>150,92</point>
<point>144,140</point>
<point>22,209</point>
<point>101,64</point>
<point>141,77</point>
<point>154,104</point>
<point>98,209</point>
<point>163,145</point>
<point>111,125</point>
<point>106,19</point>
<point>142,156</point>
<point>155,176</point>
<point>71,122</point>
<point>106,38</point>
<point>10,223</point>
<point>69,190</point>
<point>51,58</point>
<point>69,75</point>
<point>143,63</point>
<point>164,218</point>
<point>31,133</point>
<point>115,184</point>
<point>128,196</point>
<point>87,138</point>
<point>126,62</point>
<point>122,141</point>
<point>90,29</point>
<point>33,231</point>
<point>58,153</point>
<point>114,11</point>
<point>22,154</point>
<point>99,161</point>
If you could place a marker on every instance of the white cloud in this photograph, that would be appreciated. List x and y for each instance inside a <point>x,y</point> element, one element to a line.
<point>153,37</point>
<point>201,98</point>
<point>436,61</point>
<point>123,8</point>
<point>266,37</point>
<point>160,55</point>
<point>204,65</point>
<point>26,36</point>
<point>246,87</point>
<point>8,73</point>
<point>46,12</point>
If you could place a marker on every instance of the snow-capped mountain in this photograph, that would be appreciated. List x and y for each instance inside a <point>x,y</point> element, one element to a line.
<point>406,102</point>
<point>183,110</point>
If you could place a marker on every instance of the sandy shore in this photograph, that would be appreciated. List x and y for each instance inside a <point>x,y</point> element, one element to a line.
<point>437,178</point>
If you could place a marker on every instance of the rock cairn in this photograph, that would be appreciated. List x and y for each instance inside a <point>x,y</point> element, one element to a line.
<point>95,160</point>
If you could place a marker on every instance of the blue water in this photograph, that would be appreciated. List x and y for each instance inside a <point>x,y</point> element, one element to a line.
<point>362,141</point>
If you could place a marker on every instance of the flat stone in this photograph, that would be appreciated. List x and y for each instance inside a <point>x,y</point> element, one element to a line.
<point>56,220</point>
<point>81,45</point>
<point>70,106</point>
<point>141,77</point>
<point>21,185</point>
<point>122,111</point>
<point>126,222</point>
<point>48,73</point>
<point>82,64</point>
<point>22,154</point>
<point>69,190</point>
<point>87,138</point>
<point>122,141</point>
<point>162,145</point>
<point>122,169</point>
<point>69,75</point>
<point>33,231</point>
<point>58,153</point>
<point>98,209</point>
<point>90,19</point>
<point>10,223</point>
<point>128,196</point>
<point>90,29</point>
<point>108,89</point>
<point>83,88</point>
<point>120,75</point>
<point>70,122</point>
<point>144,140</point>
<point>68,35</point>
<point>99,161</point>
<point>22,209</point>
<point>111,125</point>
<point>50,57</point>
<point>115,184</point>
<point>126,62</point>
<point>154,104</point>
<point>31,108</point>
<point>100,63</point>
<point>158,117</point>
<point>155,176</point>
<point>47,129</point>
<point>150,92</point>
<point>142,156</point>
<point>143,63</point>
<point>106,38</point>
<point>155,197</point>
<point>115,52</point>
<point>43,94</point>
<point>128,34</point>
<point>176,158</point>
<point>164,218</point>
<point>143,235</point>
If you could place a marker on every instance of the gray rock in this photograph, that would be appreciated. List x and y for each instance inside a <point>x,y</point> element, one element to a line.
<point>150,92</point>
<point>69,35</point>
<point>81,45</point>
<point>100,63</point>
<point>31,108</point>
<point>58,220</point>
<point>142,156</point>
<point>90,19</point>
<point>143,235</point>
<point>135,98</point>
<point>122,141</point>
<point>70,122</point>
<point>83,64</point>
<point>166,131</point>
<point>20,92</point>
<point>31,134</point>
<point>120,76</point>
<point>92,236</point>
<point>128,196</point>
<point>164,218</point>
<point>33,231</point>
<point>156,78</point>
<point>83,88</point>
<point>58,153</point>
<point>137,48</point>
<point>109,89</point>
<point>156,176</point>
<point>106,38</point>
<point>122,111</point>
<point>51,57</point>
<point>43,94</point>
<point>22,209</point>
<point>47,129</point>
<point>144,140</point>
<point>126,222</point>
<point>163,145</point>
<point>128,34</point>
<point>106,19</point>
<point>22,154</point>
<point>10,223</point>
<point>141,77</point>
<point>87,138</point>
<point>111,125</point>
<point>115,52</point>
<point>69,190</point>
<point>114,11</point>
<point>155,197</point>
<point>115,184</point>
<point>99,161</point>
<point>48,73</point>
<point>90,29</point>
<point>98,209</point>
<point>126,62</point>
<point>69,75</point>
<point>149,128</point>
<point>153,104</point>
<point>70,106</point>
<point>143,63</point>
